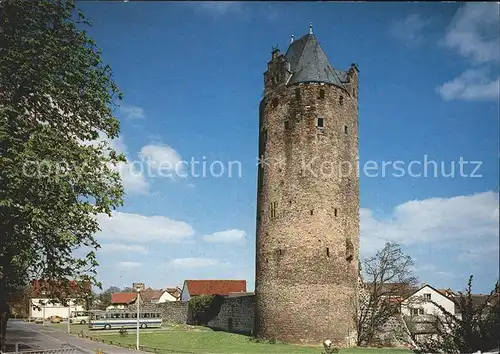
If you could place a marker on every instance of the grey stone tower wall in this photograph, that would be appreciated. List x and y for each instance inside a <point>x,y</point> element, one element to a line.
<point>307,212</point>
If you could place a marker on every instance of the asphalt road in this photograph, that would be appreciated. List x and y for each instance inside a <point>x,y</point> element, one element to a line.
<point>35,336</point>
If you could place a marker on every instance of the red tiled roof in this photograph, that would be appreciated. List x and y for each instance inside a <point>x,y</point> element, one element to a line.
<point>123,298</point>
<point>215,287</point>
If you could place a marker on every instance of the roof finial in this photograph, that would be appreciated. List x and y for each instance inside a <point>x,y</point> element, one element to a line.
<point>310,28</point>
<point>291,40</point>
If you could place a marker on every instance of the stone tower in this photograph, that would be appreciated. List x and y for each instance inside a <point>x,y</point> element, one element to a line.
<point>307,245</point>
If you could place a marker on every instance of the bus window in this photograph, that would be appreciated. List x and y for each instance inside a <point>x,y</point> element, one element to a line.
<point>133,315</point>
<point>126,315</point>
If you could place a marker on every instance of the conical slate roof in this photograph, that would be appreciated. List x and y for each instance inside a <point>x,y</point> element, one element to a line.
<point>309,63</point>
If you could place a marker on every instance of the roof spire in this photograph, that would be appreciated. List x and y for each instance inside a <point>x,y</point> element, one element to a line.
<point>310,28</point>
<point>291,40</point>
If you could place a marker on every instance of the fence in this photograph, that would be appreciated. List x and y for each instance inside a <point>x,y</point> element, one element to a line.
<point>65,349</point>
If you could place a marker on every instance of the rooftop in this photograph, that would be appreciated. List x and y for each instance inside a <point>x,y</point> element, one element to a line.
<point>309,63</point>
<point>215,287</point>
<point>123,298</point>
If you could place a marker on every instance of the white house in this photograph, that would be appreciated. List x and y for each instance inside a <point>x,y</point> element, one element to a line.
<point>419,303</point>
<point>43,308</point>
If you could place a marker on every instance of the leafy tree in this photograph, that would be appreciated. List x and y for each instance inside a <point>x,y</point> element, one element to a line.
<point>56,100</point>
<point>204,308</point>
<point>389,279</point>
<point>475,329</point>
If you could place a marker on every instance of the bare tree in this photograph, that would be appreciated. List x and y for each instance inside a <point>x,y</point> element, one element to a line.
<point>389,280</point>
<point>475,329</point>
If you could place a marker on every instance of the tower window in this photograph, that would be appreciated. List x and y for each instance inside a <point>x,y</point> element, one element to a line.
<point>354,93</point>
<point>273,210</point>
<point>287,125</point>
<point>311,211</point>
<point>321,94</point>
<point>346,130</point>
<point>327,252</point>
<point>349,250</point>
<point>275,102</point>
<point>320,123</point>
<point>297,93</point>
<point>335,212</point>
<point>341,100</point>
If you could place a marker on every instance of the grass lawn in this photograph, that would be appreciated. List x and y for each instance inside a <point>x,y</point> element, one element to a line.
<point>208,341</point>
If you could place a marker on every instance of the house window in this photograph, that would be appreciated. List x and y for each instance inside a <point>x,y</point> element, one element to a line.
<point>341,100</point>
<point>273,210</point>
<point>321,94</point>
<point>335,212</point>
<point>327,252</point>
<point>345,129</point>
<point>416,312</point>
<point>287,125</point>
<point>320,123</point>
<point>297,93</point>
<point>427,297</point>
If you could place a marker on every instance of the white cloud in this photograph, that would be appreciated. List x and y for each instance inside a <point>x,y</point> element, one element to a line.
<point>472,85</point>
<point>129,265</point>
<point>473,32</point>
<point>132,112</point>
<point>409,29</point>
<point>133,179</point>
<point>122,248</point>
<point>480,252</point>
<point>194,262</point>
<point>227,236</point>
<point>465,219</point>
<point>164,159</point>
<point>140,228</point>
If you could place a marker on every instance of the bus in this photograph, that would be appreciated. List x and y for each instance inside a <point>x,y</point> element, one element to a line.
<point>81,317</point>
<point>123,319</point>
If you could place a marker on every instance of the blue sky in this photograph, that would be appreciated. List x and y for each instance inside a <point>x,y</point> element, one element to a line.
<point>192,77</point>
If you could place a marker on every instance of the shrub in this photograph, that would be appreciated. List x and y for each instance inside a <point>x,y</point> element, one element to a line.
<point>204,308</point>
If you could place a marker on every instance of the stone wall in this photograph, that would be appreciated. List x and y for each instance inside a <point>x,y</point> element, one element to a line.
<point>174,312</point>
<point>236,315</point>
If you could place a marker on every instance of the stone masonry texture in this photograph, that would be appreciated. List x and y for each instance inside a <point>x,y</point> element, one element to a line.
<point>307,242</point>
<point>236,315</point>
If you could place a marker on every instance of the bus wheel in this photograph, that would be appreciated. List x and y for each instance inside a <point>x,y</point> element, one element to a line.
<point>82,322</point>
<point>143,325</point>
<point>107,326</point>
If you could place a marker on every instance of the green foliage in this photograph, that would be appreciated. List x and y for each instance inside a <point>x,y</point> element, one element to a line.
<point>123,332</point>
<point>476,329</point>
<point>56,99</point>
<point>204,308</point>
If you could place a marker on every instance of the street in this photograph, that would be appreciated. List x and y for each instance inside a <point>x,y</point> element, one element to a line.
<point>32,336</point>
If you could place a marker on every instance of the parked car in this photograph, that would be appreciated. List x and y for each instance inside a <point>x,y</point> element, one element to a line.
<point>55,319</point>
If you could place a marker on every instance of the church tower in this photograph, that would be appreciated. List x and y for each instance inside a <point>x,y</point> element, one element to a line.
<point>307,245</point>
